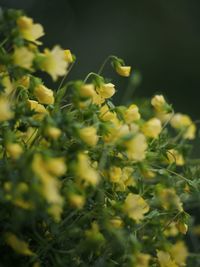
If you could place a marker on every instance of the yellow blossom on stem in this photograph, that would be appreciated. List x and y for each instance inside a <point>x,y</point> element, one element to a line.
<point>68,56</point>
<point>165,259</point>
<point>106,90</point>
<point>132,114</point>
<point>24,81</point>
<point>53,132</point>
<point>23,57</point>
<point>142,260</point>
<point>89,135</point>
<point>87,90</point>
<point>169,199</point>
<point>123,70</point>
<point>136,147</point>
<point>18,245</point>
<point>175,157</point>
<point>184,123</point>
<point>152,128</point>
<point>135,207</point>
<point>5,109</point>
<point>29,30</point>
<point>43,94</point>
<point>159,103</point>
<point>76,200</point>
<point>85,172</point>
<point>179,253</point>
<point>54,62</point>
<point>14,150</point>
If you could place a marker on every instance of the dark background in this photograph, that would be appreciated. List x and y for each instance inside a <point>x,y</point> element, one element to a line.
<point>161,38</point>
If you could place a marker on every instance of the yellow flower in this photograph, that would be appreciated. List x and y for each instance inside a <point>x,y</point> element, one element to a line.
<point>106,90</point>
<point>116,222</point>
<point>182,227</point>
<point>14,150</point>
<point>159,103</point>
<point>87,90</point>
<point>76,200</point>
<point>123,70</point>
<point>179,253</point>
<point>107,115</point>
<point>142,260</point>
<point>152,128</point>
<point>115,174</point>
<point>131,114</point>
<point>184,123</point>
<point>85,172</point>
<point>53,132</point>
<point>23,57</point>
<point>89,135</point>
<point>38,108</point>
<point>165,260</point>
<point>175,157</point>
<point>50,184</point>
<point>29,30</point>
<point>68,56</point>
<point>56,166</point>
<point>18,245</point>
<point>169,199</point>
<point>136,147</point>
<point>24,81</point>
<point>54,62</point>
<point>7,84</point>
<point>44,95</point>
<point>5,111</point>
<point>97,99</point>
<point>135,207</point>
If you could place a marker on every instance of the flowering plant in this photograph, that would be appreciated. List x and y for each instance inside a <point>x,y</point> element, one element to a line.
<point>85,182</point>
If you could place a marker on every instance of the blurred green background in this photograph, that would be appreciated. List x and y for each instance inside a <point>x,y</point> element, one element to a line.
<point>161,38</point>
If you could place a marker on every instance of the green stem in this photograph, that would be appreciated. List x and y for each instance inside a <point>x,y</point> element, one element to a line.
<point>105,62</point>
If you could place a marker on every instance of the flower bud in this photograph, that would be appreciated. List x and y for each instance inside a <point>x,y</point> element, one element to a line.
<point>44,95</point>
<point>53,132</point>
<point>123,70</point>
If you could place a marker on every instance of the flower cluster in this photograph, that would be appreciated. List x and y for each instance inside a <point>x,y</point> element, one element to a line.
<point>85,182</point>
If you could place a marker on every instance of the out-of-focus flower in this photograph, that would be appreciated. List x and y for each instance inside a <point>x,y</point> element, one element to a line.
<point>23,57</point>
<point>136,147</point>
<point>76,200</point>
<point>131,114</point>
<point>184,123</point>
<point>30,31</point>
<point>89,135</point>
<point>85,172</point>
<point>175,157</point>
<point>169,199</point>
<point>18,245</point>
<point>68,56</point>
<point>53,132</point>
<point>14,150</point>
<point>165,260</point>
<point>179,253</point>
<point>5,109</point>
<point>87,90</point>
<point>54,62</point>
<point>152,128</point>
<point>43,94</point>
<point>135,207</point>
<point>142,260</point>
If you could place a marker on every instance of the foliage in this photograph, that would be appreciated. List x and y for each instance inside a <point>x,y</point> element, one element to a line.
<point>85,182</point>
